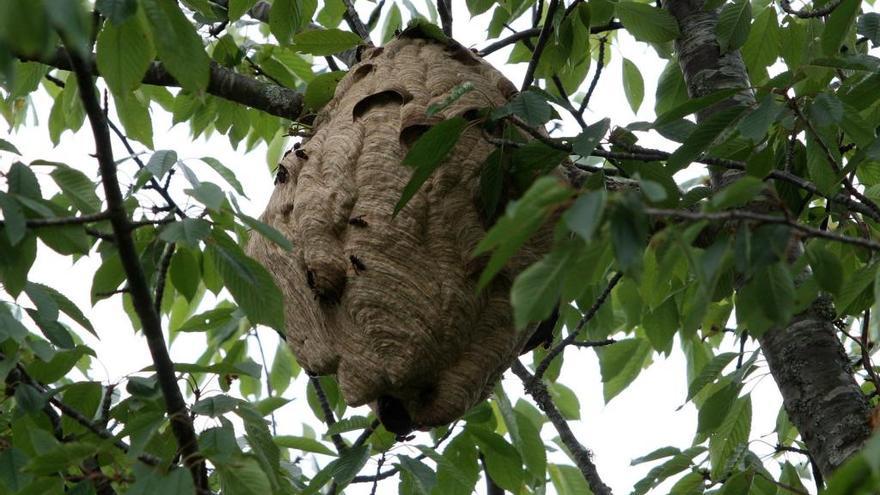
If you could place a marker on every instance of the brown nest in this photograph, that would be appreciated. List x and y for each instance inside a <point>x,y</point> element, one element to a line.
<point>389,304</point>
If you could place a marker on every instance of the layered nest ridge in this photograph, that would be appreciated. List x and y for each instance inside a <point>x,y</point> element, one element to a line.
<point>389,304</point>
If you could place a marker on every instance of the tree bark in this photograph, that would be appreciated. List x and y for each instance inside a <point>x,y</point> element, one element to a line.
<point>805,357</point>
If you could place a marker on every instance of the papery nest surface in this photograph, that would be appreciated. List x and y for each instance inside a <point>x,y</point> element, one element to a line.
<point>389,304</point>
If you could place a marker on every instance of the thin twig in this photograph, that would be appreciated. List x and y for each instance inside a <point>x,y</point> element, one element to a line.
<point>61,221</point>
<point>181,426</point>
<point>365,435</point>
<point>329,417</point>
<point>535,387</point>
<point>600,64</point>
<point>141,165</point>
<point>593,343</point>
<point>391,472</point>
<point>269,390</point>
<point>829,156</point>
<point>532,32</point>
<point>866,350</point>
<point>378,470</point>
<point>541,43</point>
<point>355,23</point>
<point>809,13</point>
<point>162,275</point>
<point>729,215</point>
<point>558,348</point>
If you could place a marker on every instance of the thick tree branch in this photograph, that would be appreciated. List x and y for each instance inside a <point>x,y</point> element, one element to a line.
<point>181,426</point>
<point>354,22</point>
<point>582,457</point>
<point>444,8</point>
<point>223,83</point>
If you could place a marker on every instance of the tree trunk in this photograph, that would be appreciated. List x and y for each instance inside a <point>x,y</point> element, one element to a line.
<point>806,358</point>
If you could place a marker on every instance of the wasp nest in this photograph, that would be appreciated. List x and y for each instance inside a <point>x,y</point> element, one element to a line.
<point>389,304</point>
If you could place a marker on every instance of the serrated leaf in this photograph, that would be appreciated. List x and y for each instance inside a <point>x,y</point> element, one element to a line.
<point>116,10</point>
<point>838,25</point>
<point>124,53</point>
<point>529,106</point>
<point>585,214</point>
<point>348,424</point>
<point>647,23</point>
<point>709,373</point>
<point>734,23</point>
<point>185,273</point>
<point>427,153</point>
<point>249,283</point>
<point>503,462</point>
<point>238,8</point>
<point>77,187</point>
<point>702,137</point>
<point>178,45</point>
<point>14,222</point>
<point>227,174</point>
<point>321,89</point>
<point>633,84</point>
<point>7,146</point>
<point>288,16</point>
<point>304,444</point>
<point>325,41</point>
<point>535,291</point>
<point>189,231</point>
<point>586,141</point>
<point>620,364</point>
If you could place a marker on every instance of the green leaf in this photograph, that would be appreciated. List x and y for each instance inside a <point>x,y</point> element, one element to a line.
<point>716,408</point>
<point>189,231</point>
<point>227,174</point>
<point>342,470</point>
<point>703,136</point>
<point>585,214</point>
<point>249,283</point>
<point>826,110</point>
<point>502,460</point>
<point>566,400</point>
<point>325,41</point>
<point>754,126</point>
<point>289,16</point>
<point>134,113</point>
<point>535,291</point>
<point>118,11</point>
<point>77,187</point>
<point>267,231</point>
<point>838,25</point>
<point>160,163</point>
<point>321,89</point>
<point>185,273</point>
<point>529,106</point>
<point>586,141</point>
<point>178,45</point>
<point>427,153</point>
<point>734,23</point>
<point>60,458</point>
<point>657,454</point>
<point>14,222</point>
<point>238,8</point>
<point>16,262</point>
<point>762,47</point>
<point>7,146</point>
<point>393,23</point>
<point>693,105</point>
<point>647,23</point>
<point>243,476</point>
<point>709,373</point>
<point>827,268</point>
<point>124,54</point>
<point>455,94</point>
<point>731,435</point>
<point>304,444</point>
<point>348,424</point>
<point>209,194</point>
<point>568,480</point>
<point>522,219</point>
<point>620,364</point>
<point>737,194</point>
<point>633,84</point>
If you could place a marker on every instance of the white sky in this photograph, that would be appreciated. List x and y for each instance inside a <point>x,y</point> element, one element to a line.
<point>639,420</point>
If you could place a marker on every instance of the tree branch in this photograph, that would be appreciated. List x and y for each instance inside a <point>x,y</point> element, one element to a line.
<point>444,7</point>
<point>809,13</point>
<point>729,215</point>
<point>600,64</point>
<point>558,348</point>
<point>582,457</point>
<point>329,417</point>
<point>532,32</point>
<point>181,426</point>
<point>541,43</point>
<point>223,83</point>
<point>354,22</point>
